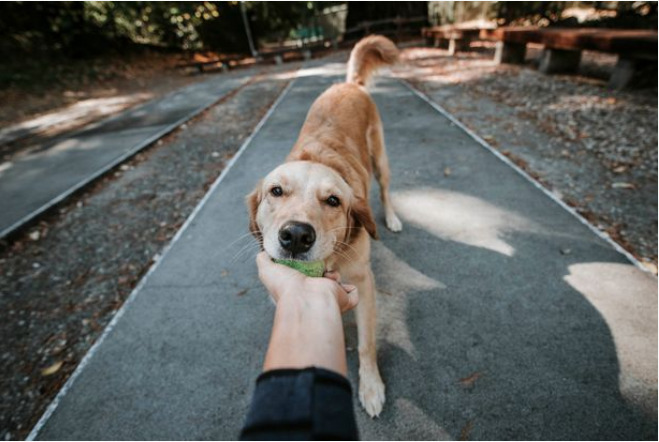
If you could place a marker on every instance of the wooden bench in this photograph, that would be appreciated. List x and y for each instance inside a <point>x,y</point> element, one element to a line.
<point>458,39</point>
<point>276,55</point>
<point>636,49</point>
<point>223,63</point>
<point>279,55</point>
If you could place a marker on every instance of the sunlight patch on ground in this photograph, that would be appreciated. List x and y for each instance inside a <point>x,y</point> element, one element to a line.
<point>454,216</point>
<point>413,416</point>
<point>5,166</point>
<point>70,145</point>
<point>630,311</point>
<point>437,66</point>
<point>328,70</point>
<point>69,116</point>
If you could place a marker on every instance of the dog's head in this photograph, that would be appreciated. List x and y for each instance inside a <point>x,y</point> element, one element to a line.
<point>304,210</point>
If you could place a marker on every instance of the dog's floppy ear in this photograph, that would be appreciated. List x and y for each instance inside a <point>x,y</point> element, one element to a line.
<point>363,217</point>
<point>253,200</point>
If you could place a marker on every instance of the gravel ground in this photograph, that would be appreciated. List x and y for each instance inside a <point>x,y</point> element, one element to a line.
<point>62,280</point>
<point>593,147</point>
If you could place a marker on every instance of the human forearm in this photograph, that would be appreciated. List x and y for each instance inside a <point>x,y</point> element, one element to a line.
<point>307,331</point>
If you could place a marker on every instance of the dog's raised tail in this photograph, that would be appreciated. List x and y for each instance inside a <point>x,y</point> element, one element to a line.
<point>369,54</point>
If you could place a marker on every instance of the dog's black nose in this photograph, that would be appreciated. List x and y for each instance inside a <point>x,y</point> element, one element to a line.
<point>297,237</point>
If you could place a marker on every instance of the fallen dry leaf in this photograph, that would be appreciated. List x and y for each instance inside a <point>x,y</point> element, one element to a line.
<point>51,369</point>
<point>466,430</point>
<point>491,140</point>
<point>471,379</point>
<point>650,266</point>
<point>623,186</point>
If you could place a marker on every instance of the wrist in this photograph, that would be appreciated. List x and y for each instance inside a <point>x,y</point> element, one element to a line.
<point>310,297</point>
<point>307,331</point>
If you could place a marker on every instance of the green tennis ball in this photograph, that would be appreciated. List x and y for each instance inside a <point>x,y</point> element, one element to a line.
<point>309,268</point>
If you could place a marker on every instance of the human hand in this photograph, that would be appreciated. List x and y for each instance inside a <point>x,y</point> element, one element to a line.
<point>307,330</point>
<point>283,282</point>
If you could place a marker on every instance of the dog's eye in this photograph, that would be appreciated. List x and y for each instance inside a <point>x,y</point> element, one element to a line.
<point>276,191</point>
<point>333,201</point>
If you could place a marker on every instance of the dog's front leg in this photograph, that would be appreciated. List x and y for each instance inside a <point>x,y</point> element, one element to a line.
<point>371,388</point>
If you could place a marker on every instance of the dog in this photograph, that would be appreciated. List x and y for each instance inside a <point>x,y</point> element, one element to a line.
<point>315,205</point>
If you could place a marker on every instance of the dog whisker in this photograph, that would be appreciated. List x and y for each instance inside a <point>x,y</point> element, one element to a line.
<point>247,235</point>
<point>344,255</point>
<point>246,249</point>
<point>344,244</point>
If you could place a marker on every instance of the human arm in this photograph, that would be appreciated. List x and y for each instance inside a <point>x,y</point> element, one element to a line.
<point>303,393</point>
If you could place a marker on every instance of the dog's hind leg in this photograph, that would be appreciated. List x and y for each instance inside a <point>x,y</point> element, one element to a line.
<point>383,174</point>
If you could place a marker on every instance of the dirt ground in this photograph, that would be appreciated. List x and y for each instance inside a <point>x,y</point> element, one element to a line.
<point>63,280</point>
<point>28,88</point>
<point>593,147</point>
<point>45,101</point>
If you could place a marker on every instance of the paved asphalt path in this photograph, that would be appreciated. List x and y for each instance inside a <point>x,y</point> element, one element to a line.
<point>33,183</point>
<point>501,315</point>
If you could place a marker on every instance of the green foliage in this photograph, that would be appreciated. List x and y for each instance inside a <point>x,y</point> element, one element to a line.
<point>80,29</point>
<point>272,20</point>
<point>530,12</point>
<point>638,14</point>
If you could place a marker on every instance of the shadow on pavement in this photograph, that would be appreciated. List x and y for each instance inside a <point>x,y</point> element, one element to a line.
<point>500,348</point>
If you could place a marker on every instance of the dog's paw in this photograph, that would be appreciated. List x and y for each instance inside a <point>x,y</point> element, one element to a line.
<point>393,223</point>
<point>371,395</point>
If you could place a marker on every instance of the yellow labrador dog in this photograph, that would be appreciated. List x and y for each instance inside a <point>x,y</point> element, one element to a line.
<point>315,205</point>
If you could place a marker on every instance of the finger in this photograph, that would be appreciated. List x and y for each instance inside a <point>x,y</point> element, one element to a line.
<point>275,277</point>
<point>353,298</point>
<point>333,275</point>
<point>265,266</point>
<point>348,300</point>
<point>348,287</point>
<point>270,269</point>
<point>262,258</point>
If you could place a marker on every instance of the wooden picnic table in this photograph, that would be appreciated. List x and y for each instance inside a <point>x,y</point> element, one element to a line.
<point>276,55</point>
<point>636,49</point>
<point>223,63</point>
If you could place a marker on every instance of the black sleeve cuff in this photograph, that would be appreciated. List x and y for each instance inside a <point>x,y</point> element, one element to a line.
<point>307,404</point>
